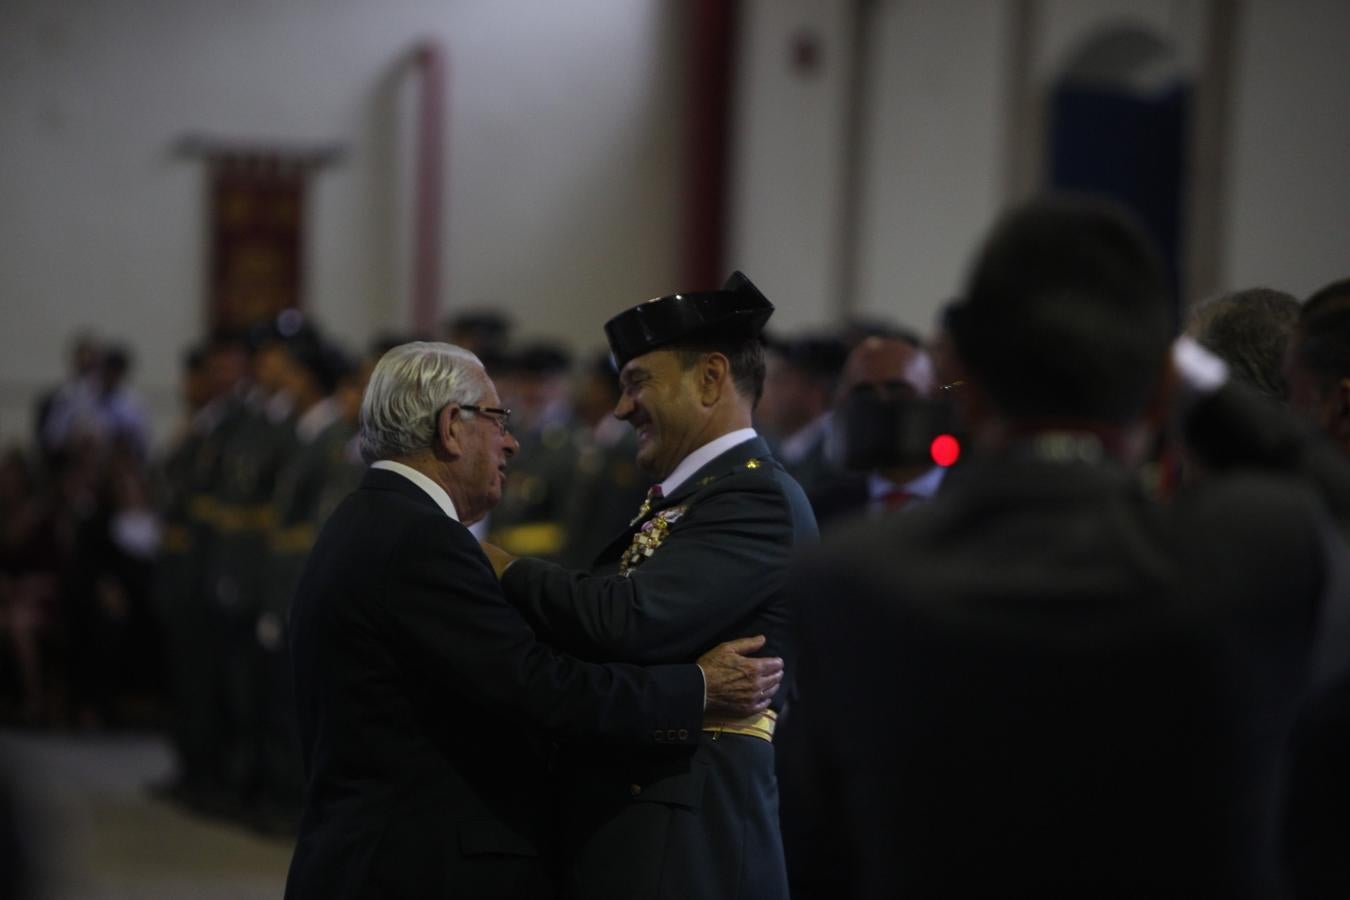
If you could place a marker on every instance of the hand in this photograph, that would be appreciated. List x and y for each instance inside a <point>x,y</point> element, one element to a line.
<point>740,685</point>
<point>499,558</point>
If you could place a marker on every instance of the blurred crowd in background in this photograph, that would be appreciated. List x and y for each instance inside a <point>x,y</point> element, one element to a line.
<point>147,587</point>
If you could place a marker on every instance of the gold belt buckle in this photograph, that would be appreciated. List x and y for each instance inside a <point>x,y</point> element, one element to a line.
<point>760,726</point>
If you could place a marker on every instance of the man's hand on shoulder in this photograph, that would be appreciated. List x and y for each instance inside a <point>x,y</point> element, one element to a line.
<point>740,685</point>
<point>499,558</point>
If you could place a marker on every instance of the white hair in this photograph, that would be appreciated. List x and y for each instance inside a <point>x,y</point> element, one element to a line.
<point>410,386</point>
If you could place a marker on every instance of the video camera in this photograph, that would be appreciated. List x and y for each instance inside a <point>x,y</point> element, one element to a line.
<point>886,426</point>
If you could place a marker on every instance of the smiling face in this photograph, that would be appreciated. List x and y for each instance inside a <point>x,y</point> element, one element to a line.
<point>479,473</point>
<point>662,400</point>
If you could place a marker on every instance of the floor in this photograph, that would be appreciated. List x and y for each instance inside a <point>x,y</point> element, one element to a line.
<point>98,834</point>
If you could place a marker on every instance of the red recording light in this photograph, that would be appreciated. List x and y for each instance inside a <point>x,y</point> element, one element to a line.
<point>945,450</point>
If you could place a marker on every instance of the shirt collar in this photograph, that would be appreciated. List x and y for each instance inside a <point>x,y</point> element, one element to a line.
<point>704,455</point>
<point>434,490</point>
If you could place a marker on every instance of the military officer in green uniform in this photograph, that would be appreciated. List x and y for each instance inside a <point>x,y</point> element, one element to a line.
<point>607,485</point>
<point>257,438</point>
<point>799,394</point>
<point>186,475</point>
<point>311,479</point>
<point>702,561</point>
<point>530,519</point>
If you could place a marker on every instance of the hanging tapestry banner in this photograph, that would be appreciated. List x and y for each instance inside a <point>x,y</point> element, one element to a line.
<point>257,239</point>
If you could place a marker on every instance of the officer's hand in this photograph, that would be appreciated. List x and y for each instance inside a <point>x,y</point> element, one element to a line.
<point>499,558</point>
<point>740,685</point>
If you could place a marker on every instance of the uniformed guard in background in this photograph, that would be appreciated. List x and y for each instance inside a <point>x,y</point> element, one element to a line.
<point>191,473</point>
<point>607,485</point>
<point>311,479</point>
<point>175,580</point>
<point>799,392</point>
<point>530,519</point>
<point>703,561</point>
<point>255,442</point>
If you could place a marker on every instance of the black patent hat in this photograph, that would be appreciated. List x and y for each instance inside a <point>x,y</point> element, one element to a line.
<point>738,309</point>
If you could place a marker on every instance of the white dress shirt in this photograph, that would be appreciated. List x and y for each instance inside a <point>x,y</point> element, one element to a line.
<point>704,455</point>
<point>434,490</point>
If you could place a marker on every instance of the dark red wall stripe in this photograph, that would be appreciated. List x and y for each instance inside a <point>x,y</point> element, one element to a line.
<point>712,26</point>
<point>427,280</point>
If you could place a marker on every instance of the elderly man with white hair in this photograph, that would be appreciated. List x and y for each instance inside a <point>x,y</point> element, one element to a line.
<point>424,699</point>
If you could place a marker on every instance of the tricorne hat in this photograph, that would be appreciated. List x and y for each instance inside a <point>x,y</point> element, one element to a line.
<point>738,308</point>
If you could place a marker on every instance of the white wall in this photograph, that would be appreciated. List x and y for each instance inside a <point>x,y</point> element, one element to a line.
<point>787,160</point>
<point>1289,222</point>
<point>563,167</point>
<point>934,163</point>
<point>565,161</point>
<point>939,127</point>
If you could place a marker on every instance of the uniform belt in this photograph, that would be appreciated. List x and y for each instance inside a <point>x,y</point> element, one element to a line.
<point>760,726</point>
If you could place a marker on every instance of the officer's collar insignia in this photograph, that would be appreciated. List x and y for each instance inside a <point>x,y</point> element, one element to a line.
<point>753,463</point>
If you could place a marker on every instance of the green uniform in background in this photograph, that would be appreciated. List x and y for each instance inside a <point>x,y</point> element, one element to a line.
<point>530,520</point>
<point>254,451</point>
<point>309,484</point>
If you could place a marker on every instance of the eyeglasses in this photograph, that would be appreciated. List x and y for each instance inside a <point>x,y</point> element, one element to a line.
<point>496,413</point>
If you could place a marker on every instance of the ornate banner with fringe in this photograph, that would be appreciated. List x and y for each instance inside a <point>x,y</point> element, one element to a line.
<point>256,228</point>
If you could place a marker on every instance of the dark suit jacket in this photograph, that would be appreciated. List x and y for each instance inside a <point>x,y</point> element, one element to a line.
<point>421,694</point>
<point>676,822</point>
<point>1043,684</point>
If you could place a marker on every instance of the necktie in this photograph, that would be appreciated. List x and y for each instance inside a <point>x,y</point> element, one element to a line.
<point>653,493</point>
<point>895,498</point>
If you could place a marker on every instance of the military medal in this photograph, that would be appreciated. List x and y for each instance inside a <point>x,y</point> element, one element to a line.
<point>650,536</point>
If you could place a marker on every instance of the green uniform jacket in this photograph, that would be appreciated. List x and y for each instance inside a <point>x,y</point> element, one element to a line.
<point>678,822</point>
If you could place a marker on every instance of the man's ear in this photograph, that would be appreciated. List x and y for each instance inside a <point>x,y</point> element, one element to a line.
<point>449,421</point>
<point>714,373</point>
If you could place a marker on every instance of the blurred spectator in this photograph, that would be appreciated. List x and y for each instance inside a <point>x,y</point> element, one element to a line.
<point>607,486</point>
<point>881,378</point>
<point>99,405</point>
<point>1317,826</point>
<point>858,328</point>
<point>1000,691</point>
<point>114,643</point>
<point>72,400</point>
<point>121,412</point>
<point>480,331</point>
<point>542,399</point>
<point>1318,366</point>
<point>34,553</point>
<point>530,518</point>
<point>802,376</point>
<point>312,479</point>
<point>1250,330</point>
<point>214,383</point>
